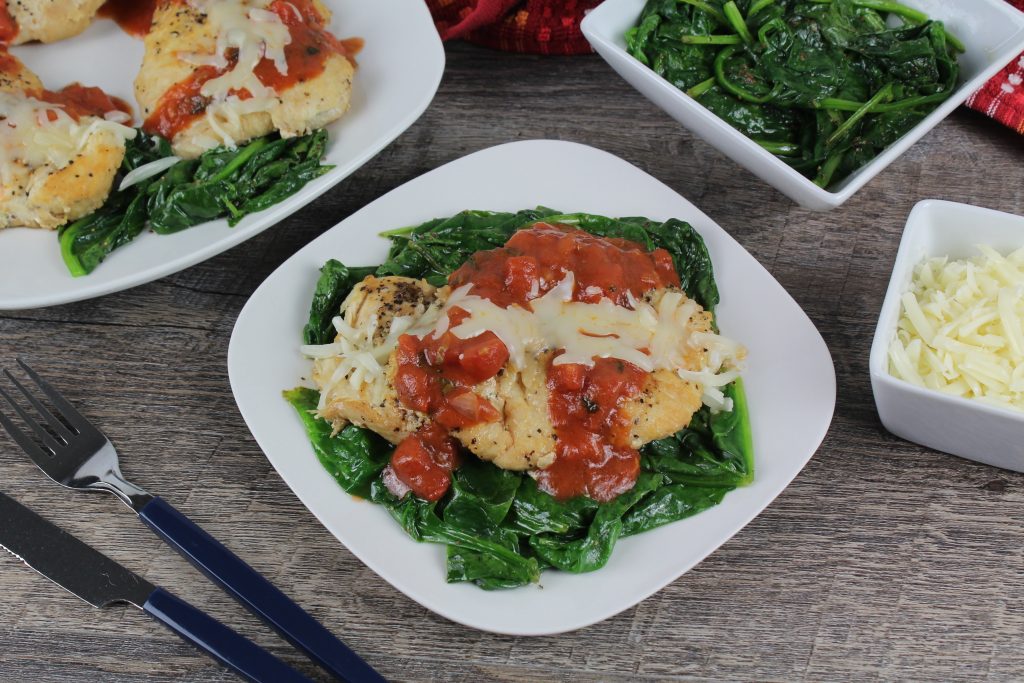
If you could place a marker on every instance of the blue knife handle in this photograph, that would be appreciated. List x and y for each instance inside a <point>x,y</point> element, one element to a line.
<point>257,594</point>
<point>245,657</point>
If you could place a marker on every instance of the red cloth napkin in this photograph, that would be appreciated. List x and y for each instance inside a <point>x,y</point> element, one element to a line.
<point>553,27</point>
<point>548,27</point>
<point>1002,98</point>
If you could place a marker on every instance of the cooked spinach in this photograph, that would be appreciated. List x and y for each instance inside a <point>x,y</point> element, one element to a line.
<point>825,85</point>
<point>499,528</point>
<point>222,182</point>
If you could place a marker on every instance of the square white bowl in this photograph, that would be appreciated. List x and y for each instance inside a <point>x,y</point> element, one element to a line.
<point>963,427</point>
<point>992,31</point>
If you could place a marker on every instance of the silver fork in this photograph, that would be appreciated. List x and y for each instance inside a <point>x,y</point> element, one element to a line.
<point>76,454</point>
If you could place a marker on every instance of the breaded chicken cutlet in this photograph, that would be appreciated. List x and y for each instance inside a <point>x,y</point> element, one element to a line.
<point>58,152</point>
<point>46,20</point>
<point>221,72</point>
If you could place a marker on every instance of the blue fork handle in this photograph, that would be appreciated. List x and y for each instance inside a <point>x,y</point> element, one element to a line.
<point>257,594</point>
<point>245,657</point>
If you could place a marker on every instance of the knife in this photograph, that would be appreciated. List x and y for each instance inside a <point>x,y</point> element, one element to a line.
<point>101,582</point>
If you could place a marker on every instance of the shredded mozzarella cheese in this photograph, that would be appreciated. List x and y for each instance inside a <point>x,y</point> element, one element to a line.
<point>34,133</point>
<point>249,27</point>
<point>648,337</point>
<point>960,331</point>
<point>360,359</point>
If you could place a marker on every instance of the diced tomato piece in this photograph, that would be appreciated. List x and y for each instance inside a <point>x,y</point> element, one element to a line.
<point>521,277</point>
<point>479,358</point>
<point>424,461</point>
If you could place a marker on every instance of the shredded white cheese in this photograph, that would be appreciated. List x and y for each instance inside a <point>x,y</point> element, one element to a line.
<point>960,331</point>
<point>649,337</point>
<point>147,171</point>
<point>249,27</point>
<point>34,133</point>
<point>360,359</point>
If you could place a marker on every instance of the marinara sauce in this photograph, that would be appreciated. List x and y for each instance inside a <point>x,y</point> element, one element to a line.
<point>133,16</point>
<point>8,26</point>
<point>306,56</point>
<point>436,376</point>
<point>78,101</point>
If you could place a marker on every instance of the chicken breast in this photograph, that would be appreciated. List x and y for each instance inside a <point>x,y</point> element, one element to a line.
<point>50,20</point>
<point>186,36</point>
<point>524,437</point>
<point>370,312</point>
<point>53,169</point>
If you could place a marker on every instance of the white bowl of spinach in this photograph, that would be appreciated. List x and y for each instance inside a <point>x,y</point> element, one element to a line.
<point>814,96</point>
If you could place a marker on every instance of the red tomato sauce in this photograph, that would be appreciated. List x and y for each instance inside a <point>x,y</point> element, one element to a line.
<point>592,455</point>
<point>424,461</point>
<point>306,56</point>
<point>133,16</point>
<point>8,63</point>
<point>435,376</point>
<point>542,255</point>
<point>8,26</point>
<point>78,101</point>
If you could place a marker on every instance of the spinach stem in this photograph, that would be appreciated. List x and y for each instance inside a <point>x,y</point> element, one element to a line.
<point>731,39</point>
<point>757,7</point>
<point>709,9</point>
<point>898,105</point>
<point>884,94</point>
<point>701,88</point>
<point>397,231</point>
<point>736,20</point>
<point>736,90</point>
<point>785,149</point>
<point>67,243</point>
<point>762,33</point>
<point>912,15</point>
<point>828,169</point>
<point>247,152</point>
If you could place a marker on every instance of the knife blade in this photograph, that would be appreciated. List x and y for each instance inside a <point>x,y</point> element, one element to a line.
<point>67,561</point>
<point>95,578</point>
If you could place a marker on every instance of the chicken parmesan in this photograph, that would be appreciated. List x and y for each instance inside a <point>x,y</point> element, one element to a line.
<point>46,21</point>
<point>59,150</point>
<point>221,72</point>
<point>559,354</point>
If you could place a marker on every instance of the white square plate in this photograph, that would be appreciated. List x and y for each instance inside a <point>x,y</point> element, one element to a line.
<point>963,427</point>
<point>390,92</point>
<point>992,30</point>
<point>790,384</point>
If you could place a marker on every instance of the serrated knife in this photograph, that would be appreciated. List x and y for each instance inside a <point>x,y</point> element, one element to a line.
<point>101,582</point>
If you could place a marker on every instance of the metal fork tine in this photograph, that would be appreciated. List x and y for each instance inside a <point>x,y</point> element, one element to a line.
<point>58,426</point>
<point>22,439</point>
<point>67,411</point>
<point>44,435</point>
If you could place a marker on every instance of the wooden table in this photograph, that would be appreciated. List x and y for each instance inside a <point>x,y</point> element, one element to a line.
<point>883,560</point>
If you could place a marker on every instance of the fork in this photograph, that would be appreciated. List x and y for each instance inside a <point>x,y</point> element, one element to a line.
<point>77,455</point>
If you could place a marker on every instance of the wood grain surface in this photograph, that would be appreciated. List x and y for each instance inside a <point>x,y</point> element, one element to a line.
<point>882,561</point>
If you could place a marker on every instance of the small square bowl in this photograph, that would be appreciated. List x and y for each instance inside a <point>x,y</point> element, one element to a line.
<point>992,31</point>
<point>963,427</point>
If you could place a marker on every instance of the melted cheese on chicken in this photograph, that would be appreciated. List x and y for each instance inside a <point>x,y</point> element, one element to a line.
<point>53,169</point>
